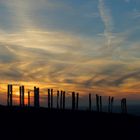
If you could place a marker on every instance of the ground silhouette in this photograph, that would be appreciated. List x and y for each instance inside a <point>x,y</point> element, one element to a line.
<point>64,124</point>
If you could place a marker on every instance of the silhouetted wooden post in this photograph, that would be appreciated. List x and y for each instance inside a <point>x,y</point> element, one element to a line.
<point>57,99</point>
<point>112,100</point>
<point>9,95</point>
<point>63,100</point>
<point>89,102</point>
<point>125,106</point>
<point>121,105</point>
<point>23,96</point>
<point>20,96</point>
<point>109,104</point>
<point>36,98</point>
<point>77,101</point>
<point>97,102</point>
<point>73,100</point>
<point>28,98</point>
<point>51,98</point>
<point>21,89</point>
<point>100,103</point>
<point>49,105</point>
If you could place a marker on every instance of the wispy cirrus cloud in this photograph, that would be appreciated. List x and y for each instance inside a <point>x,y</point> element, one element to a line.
<point>38,56</point>
<point>106,17</point>
<point>135,14</point>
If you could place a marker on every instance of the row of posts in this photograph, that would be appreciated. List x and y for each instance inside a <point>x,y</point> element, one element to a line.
<point>21,96</point>
<point>60,99</point>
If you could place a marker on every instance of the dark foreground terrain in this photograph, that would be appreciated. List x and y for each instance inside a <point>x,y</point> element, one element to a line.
<point>31,123</point>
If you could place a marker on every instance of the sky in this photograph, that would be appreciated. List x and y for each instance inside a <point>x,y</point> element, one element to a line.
<point>87,46</point>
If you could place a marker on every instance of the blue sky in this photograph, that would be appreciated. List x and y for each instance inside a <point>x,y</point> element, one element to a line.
<point>77,16</point>
<point>83,45</point>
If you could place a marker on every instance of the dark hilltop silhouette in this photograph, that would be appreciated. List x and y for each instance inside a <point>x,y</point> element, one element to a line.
<point>64,123</point>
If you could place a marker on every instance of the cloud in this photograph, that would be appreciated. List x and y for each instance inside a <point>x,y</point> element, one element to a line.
<point>118,75</point>
<point>66,61</point>
<point>135,14</point>
<point>135,75</point>
<point>105,16</point>
<point>35,62</point>
<point>107,20</point>
<point>30,14</point>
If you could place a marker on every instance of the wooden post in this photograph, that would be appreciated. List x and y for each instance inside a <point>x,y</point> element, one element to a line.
<point>97,102</point>
<point>28,98</point>
<point>21,89</point>
<point>63,100</point>
<point>73,100</point>
<point>121,105</point>
<point>35,90</point>
<point>51,98</point>
<point>100,103</point>
<point>49,105</point>
<point>109,104</point>
<point>23,96</point>
<point>58,99</point>
<point>89,102</point>
<point>112,100</point>
<point>125,107</point>
<point>10,95</point>
<point>77,101</point>
<point>36,97</point>
<point>20,92</point>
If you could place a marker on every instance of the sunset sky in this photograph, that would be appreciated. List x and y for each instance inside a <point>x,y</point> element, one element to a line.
<point>73,45</point>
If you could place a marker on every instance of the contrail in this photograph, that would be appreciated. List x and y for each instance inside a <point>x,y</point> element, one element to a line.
<point>107,20</point>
